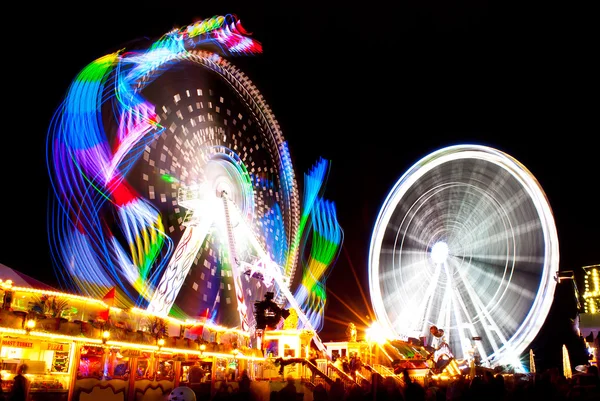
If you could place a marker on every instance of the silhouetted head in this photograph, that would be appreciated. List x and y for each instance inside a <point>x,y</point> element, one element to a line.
<point>23,369</point>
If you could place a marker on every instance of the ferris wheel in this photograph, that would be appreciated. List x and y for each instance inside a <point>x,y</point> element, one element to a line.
<point>175,183</point>
<point>230,191</point>
<point>465,241</point>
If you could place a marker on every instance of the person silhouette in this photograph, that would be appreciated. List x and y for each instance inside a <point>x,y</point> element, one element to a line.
<point>20,389</point>
<point>288,392</point>
<point>244,383</point>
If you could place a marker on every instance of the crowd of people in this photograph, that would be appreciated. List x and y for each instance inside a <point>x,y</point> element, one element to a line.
<point>550,385</point>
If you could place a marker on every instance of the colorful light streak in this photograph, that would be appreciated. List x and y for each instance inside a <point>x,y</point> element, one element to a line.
<point>88,168</point>
<point>327,237</point>
<point>103,232</point>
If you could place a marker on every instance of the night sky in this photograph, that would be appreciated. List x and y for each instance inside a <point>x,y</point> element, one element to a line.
<point>373,90</point>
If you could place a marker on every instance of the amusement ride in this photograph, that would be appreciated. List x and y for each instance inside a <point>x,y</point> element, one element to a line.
<point>174,183</point>
<point>174,190</point>
<point>465,242</point>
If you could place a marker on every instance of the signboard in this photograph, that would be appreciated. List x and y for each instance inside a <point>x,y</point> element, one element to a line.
<point>60,361</point>
<point>44,345</point>
<point>17,343</point>
<point>55,346</point>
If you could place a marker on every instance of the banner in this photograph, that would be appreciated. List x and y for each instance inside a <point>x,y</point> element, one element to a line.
<point>17,343</point>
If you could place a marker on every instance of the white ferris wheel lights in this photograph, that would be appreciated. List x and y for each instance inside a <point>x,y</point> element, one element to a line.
<point>439,252</point>
<point>465,241</point>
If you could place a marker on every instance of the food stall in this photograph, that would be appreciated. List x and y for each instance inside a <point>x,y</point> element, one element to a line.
<point>72,354</point>
<point>48,364</point>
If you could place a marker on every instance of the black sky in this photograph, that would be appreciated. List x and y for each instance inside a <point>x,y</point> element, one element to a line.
<point>371,88</point>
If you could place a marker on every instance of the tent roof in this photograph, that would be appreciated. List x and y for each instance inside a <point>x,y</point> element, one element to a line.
<point>21,279</point>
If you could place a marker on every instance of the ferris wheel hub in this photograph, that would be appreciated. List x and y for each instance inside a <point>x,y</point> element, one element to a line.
<point>439,252</point>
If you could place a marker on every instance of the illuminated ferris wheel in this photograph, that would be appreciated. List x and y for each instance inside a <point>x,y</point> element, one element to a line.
<point>221,176</point>
<point>465,241</point>
<point>175,183</point>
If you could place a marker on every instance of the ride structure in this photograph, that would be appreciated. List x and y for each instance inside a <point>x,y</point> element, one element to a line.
<point>465,241</point>
<point>173,182</point>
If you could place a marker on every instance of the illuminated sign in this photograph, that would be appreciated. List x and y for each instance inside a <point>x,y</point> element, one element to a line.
<point>17,343</point>
<point>55,347</point>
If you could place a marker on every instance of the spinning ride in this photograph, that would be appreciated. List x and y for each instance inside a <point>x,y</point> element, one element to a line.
<point>174,184</point>
<point>465,241</point>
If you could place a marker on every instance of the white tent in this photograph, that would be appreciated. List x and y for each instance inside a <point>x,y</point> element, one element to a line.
<point>21,279</point>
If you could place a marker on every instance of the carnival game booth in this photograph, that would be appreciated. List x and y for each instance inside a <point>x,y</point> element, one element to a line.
<point>388,358</point>
<point>79,348</point>
<point>344,349</point>
<point>285,344</point>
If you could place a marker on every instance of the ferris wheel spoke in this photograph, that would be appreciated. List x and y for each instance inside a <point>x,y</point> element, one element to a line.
<point>464,322</point>
<point>170,284</point>
<point>527,228</point>
<point>428,300</point>
<point>483,196</point>
<point>444,317</point>
<point>245,231</point>
<point>484,274</point>
<point>480,174</point>
<point>417,319</point>
<point>485,240</point>
<point>501,210</point>
<point>416,277</point>
<point>393,255</point>
<point>522,230</point>
<point>407,236</point>
<point>485,271</point>
<point>490,326</point>
<point>414,274</point>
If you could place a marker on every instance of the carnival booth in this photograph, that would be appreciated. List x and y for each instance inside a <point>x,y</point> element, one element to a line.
<point>79,348</point>
<point>286,344</point>
<point>48,361</point>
